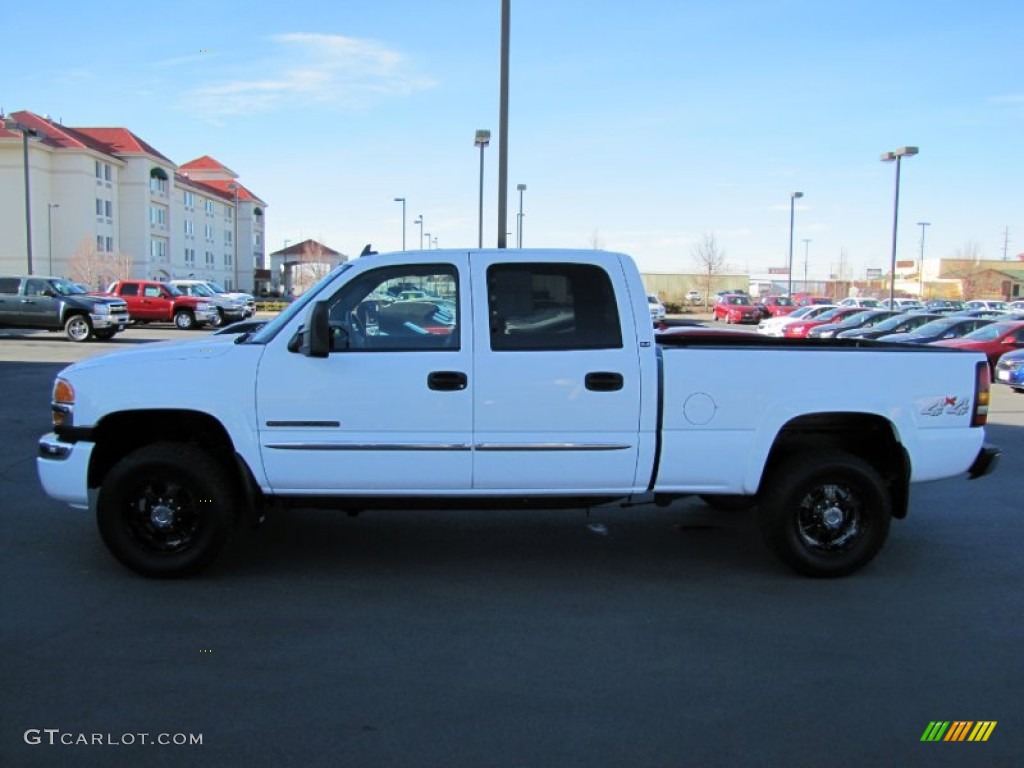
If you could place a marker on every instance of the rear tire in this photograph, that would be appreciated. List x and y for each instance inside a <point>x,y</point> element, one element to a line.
<point>78,328</point>
<point>166,510</point>
<point>825,515</point>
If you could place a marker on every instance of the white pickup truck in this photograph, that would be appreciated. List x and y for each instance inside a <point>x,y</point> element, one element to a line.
<point>483,378</point>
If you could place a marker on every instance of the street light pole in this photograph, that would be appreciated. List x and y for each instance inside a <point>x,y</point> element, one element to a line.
<point>483,138</point>
<point>428,241</point>
<point>807,246</point>
<point>14,125</point>
<point>888,157</point>
<point>519,230</point>
<point>920,265</point>
<point>789,270</point>
<point>49,233</point>
<point>402,201</point>
<point>234,237</point>
<point>419,220</point>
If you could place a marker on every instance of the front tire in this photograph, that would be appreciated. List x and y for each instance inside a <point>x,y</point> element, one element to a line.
<point>166,510</point>
<point>217,321</point>
<point>78,328</point>
<point>184,320</point>
<point>825,515</point>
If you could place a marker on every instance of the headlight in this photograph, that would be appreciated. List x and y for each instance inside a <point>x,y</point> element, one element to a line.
<point>101,309</point>
<point>204,306</point>
<point>63,404</point>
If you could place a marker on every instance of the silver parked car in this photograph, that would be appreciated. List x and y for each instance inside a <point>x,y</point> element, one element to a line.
<point>229,310</point>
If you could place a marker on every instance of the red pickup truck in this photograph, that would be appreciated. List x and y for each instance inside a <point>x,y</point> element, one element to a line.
<point>150,301</point>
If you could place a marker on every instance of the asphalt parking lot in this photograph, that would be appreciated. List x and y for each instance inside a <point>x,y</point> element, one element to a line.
<point>629,637</point>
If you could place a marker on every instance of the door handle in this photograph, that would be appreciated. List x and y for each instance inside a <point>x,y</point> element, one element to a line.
<point>447,381</point>
<point>604,381</point>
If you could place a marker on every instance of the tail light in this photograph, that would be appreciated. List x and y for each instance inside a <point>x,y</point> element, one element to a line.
<point>982,394</point>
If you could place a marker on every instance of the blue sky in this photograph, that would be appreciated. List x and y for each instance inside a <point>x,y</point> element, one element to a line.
<point>641,126</point>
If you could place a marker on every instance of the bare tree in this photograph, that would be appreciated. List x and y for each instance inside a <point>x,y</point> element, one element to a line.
<point>710,262</point>
<point>86,265</point>
<point>967,268</point>
<point>596,241</point>
<point>314,263</point>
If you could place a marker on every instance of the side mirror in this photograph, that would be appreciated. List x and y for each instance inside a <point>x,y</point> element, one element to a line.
<point>314,338</point>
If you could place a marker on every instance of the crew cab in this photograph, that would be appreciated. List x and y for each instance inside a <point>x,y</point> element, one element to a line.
<point>540,382</point>
<point>53,304</point>
<point>150,301</point>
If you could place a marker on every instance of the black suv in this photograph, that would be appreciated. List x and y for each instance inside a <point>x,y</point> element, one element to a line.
<point>53,303</point>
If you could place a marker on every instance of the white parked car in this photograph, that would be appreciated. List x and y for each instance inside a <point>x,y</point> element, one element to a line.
<point>657,308</point>
<point>859,301</point>
<point>693,297</point>
<point>988,304</point>
<point>774,326</point>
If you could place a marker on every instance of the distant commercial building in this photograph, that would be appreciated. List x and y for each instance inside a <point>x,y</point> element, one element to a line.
<point>105,204</point>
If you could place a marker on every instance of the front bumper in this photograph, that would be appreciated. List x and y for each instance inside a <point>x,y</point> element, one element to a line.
<point>109,321</point>
<point>63,469</point>
<point>985,463</point>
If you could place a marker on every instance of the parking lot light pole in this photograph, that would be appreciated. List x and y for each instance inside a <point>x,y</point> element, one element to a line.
<point>49,234</point>
<point>402,201</point>
<point>920,264</point>
<point>13,125</point>
<point>234,234</point>
<point>519,230</point>
<point>807,247</point>
<point>888,157</point>
<point>792,204</point>
<point>419,220</point>
<point>482,139</point>
<point>428,240</point>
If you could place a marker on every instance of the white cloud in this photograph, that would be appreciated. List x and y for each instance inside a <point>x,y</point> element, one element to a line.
<point>303,69</point>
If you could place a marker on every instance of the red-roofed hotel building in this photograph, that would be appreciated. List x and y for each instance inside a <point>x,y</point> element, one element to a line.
<point>103,201</point>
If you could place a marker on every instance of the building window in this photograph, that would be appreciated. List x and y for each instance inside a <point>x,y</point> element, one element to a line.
<point>108,209</point>
<point>209,258</point>
<point>209,232</point>
<point>99,207</point>
<point>227,259</point>
<point>208,205</point>
<point>189,228</point>
<point>99,243</point>
<point>106,171</point>
<point>157,216</point>
<point>259,239</point>
<point>158,250</point>
<point>99,170</point>
<point>190,200</point>
<point>227,237</point>
<point>229,212</point>
<point>158,185</point>
<point>110,245</point>
<point>190,257</point>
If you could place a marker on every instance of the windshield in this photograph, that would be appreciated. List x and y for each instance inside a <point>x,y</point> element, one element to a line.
<point>783,301</point>
<point>201,290</point>
<point>66,287</point>
<point>216,287</point>
<point>856,318</point>
<point>989,332</point>
<point>270,330</point>
<point>936,326</point>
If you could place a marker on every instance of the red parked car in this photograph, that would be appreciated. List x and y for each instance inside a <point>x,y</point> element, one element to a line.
<point>776,306</point>
<point>735,308</point>
<point>993,340</point>
<point>800,328</point>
